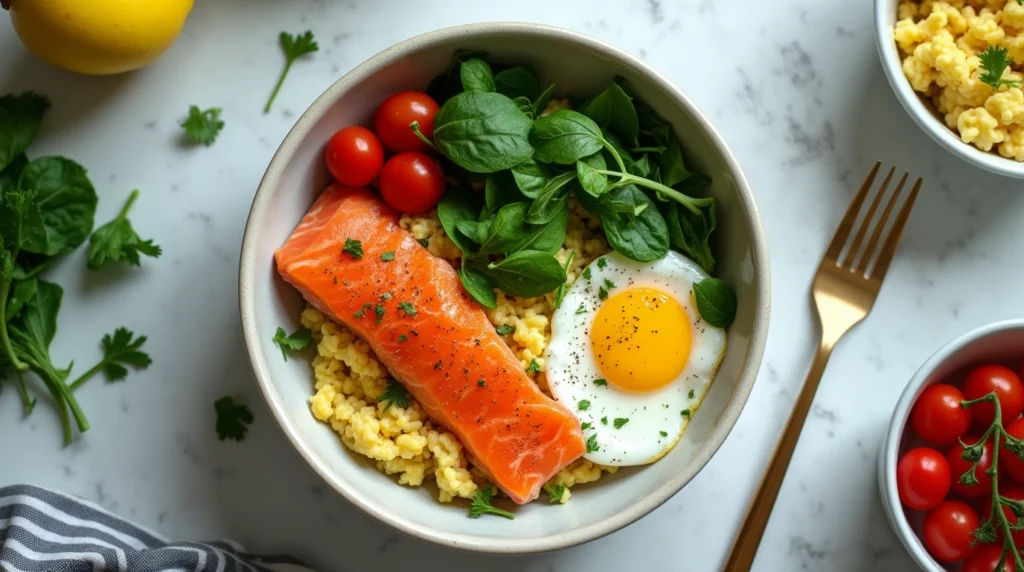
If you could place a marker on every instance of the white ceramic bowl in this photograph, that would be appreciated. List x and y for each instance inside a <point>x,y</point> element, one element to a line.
<point>921,111</point>
<point>297,174</point>
<point>994,342</point>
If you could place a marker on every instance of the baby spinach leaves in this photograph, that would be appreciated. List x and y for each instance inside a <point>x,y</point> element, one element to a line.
<point>613,109</point>
<point>476,75</point>
<point>716,302</point>
<point>482,132</point>
<point>634,227</point>
<point>518,81</point>
<point>565,137</point>
<point>66,201</point>
<point>527,273</point>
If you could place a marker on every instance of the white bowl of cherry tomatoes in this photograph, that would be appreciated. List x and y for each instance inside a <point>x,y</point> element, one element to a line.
<point>940,470</point>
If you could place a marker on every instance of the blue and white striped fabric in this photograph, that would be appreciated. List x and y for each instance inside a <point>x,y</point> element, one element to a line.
<point>45,531</point>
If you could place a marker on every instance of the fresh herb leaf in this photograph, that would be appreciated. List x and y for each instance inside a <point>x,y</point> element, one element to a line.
<point>691,394</point>
<point>456,206</point>
<point>475,231</point>
<point>476,75</point>
<point>408,308</point>
<point>353,247</point>
<point>673,170</point>
<point>602,263</point>
<point>604,421</point>
<point>614,110</point>
<point>586,425</point>
<point>510,233</point>
<point>294,47</point>
<point>686,413</point>
<point>517,81</point>
<point>233,418</point>
<point>542,100</point>
<point>609,284</point>
<point>478,286</point>
<point>527,273</point>
<point>294,342</point>
<point>534,367</point>
<point>362,311</point>
<point>119,351</point>
<point>663,433</point>
<point>565,137</point>
<point>424,242</point>
<point>581,310</point>
<point>552,201</point>
<point>587,273</point>
<point>994,62</point>
<point>66,203</point>
<point>555,492</point>
<point>379,311</point>
<point>394,394</point>
<point>588,171</point>
<point>602,293</point>
<point>583,405</point>
<point>601,382</point>
<point>620,421</point>
<point>504,330</point>
<point>449,83</point>
<point>531,177</point>
<point>202,126</point>
<point>117,241</point>
<point>644,238</point>
<point>20,117</point>
<point>592,445</point>
<point>560,291</point>
<point>481,504</point>
<point>716,302</point>
<point>388,256</point>
<point>499,190</point>
<point>690,233</point>
<point>482,132</point>
<point>403,338</point>
<point>386,296</point>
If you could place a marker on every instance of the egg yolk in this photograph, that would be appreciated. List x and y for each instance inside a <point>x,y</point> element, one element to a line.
<point>642,339</point>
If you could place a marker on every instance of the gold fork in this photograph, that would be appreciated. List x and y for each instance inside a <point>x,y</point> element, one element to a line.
<point>844,290</point>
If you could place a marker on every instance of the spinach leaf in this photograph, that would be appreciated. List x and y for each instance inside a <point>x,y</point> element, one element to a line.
<point>552,200</point>
<point>591,180</point>
<point>20,116</point>
<point>527,273</point>
<point>476,231</point>
<point>478,286</point>
<point>542,100</point>
<point>642,166</point>
<point>621,149</point>
<point>565,137</point>
<point>67,202</point>
<point>524,105</point>
<point>511,233</point>
<point>614,110</point>
<point>499,190</point>
<point>22,292</point>
<point>476,75</point>
<point>716,302</point>
<point>446,85</point>
<point>517,81</point>
<point>642,237</point>
<point>10,174</point>
<point>38,322</point>
<point>691,234</point>
<point>673,170</point>
<point>649,120</point>
<point>456,205</point>
<point>483,132</point>
<point>531,177</point>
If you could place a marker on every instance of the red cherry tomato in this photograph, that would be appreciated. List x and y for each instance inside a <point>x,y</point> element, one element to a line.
<point>948,530</point>
<point>354,156</point>
<point>396,113</point>
<point>411,183</point>
<point>985,558</point>
<point>922,478</point>
<point>937,416</point>
<point>1011,464</point>
<point>985,379</point>
<point>958,466</point>
<point>1010,493</point>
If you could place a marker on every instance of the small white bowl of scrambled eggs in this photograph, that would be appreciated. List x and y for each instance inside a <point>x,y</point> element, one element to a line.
<point>397,465</point>
<point>956,66</point>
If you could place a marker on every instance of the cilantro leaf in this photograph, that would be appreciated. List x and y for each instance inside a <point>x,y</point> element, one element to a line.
<point>408,308</point>
<point>202,126</point>
<point>602,263</point>
<point>581,310</point>
<point>555,492</point>
<point>534,367</point>
<point>394,394</point>
<point>120,350</point>
<point>586,425</point>
<point>353,247</point>
<point>592,445</point>
<point>583,405</point>
<point>482,504</point>
<point>994,62</point>
<point>620,421</point>
<point>117,241</point>
<point>294,342</point>
<point>233,418</point>
<point>294,47</point>
<point>601,382</point>
<point>505,330</point>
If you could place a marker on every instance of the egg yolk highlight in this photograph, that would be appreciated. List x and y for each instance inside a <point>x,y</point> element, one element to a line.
<point>642,339</point>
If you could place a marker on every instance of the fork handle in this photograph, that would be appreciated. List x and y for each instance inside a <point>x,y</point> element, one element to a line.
<point>744,548</point>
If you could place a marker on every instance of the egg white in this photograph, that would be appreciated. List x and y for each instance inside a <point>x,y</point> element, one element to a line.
<point>572,366</point>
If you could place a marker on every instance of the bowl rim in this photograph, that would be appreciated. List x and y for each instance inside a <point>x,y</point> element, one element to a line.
<point>275,402</point>
<point>894,435</point>
<point>919,112</point>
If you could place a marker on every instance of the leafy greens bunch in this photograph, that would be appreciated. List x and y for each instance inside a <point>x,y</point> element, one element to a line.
<point>619,159</point>
<point>47,209</point>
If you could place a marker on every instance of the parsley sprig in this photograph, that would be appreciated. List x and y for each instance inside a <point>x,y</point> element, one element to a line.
<point>555,492</point>
<point>233,418</point>
<point>294,342</point>
<point>482,504</point>
<point>994,62</point>
<point>117,241</point>
<point>202,126</point>
<point>294,47</point>
<point>120,350</point>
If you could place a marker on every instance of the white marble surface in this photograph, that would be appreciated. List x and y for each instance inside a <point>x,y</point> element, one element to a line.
<point>795,88</point>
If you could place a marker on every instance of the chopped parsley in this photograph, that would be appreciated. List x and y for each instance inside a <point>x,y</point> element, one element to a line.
<point>583,405</point>
<point>586,273</point>
<point>394,394</point>
<point>353,247</point>
<point>555,492</point>
<point>482,504</point>
<point>663,434</point>
<point>362,311</point>
<point>386,296</point>
<point>480,382</point>
<point>379,310</point>
<point>202,126</point>
<point>994,62</point>
<point>604,421</point>
<point>602,263</point>
<point>592,444</point>
<point>423,242</point>
<point>294,47</point>
<point>581,310</point>
<point>691,394</point>
<point>438,365</point>
<point>408,308</point>
<point>620,421</point>
<point>233,418</point>
<point>586,425</point>
<point>601,382</point>
<point>505,330</point>
<point>602,293</point>
<point>560,292</point>
<point>534,367</point>
<point>293,342</point>
<point>388,256</point>
<point>608,284</point>
<point>686,413</point>
<point>403,338</point>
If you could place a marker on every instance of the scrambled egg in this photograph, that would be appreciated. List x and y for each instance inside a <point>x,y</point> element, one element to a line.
<point>941,42</point>
<point>402,440</point>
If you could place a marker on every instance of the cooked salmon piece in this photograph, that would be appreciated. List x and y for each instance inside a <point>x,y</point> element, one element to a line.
<point>413,311</point>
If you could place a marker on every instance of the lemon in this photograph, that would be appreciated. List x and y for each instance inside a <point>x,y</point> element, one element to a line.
<point>99,37</point>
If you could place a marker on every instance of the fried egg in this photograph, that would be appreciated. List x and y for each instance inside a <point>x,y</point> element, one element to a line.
<point>631,356</point>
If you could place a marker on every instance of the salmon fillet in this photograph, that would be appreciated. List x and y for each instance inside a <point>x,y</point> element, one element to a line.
<point>431,336</point>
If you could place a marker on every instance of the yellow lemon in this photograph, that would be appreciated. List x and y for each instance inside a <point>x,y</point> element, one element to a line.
<point>99,37</point>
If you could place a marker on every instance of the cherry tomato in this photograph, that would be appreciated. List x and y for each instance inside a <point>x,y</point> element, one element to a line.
<point>396,113</point>
<point>958,466</point>
<point>922,478</point>
<point>985,379</point>
<point>948,530</point>
<point>985,558</point>
<point>1011,464</point>
<point>354,156</point>
<point>411,183</point>
<point>937,416</point>
<point>1010,493</point>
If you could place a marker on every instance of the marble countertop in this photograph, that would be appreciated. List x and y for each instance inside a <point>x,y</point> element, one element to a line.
<point>794,87</point>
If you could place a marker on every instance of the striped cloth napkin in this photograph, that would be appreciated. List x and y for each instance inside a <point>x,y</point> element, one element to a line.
<point>45,531</point>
